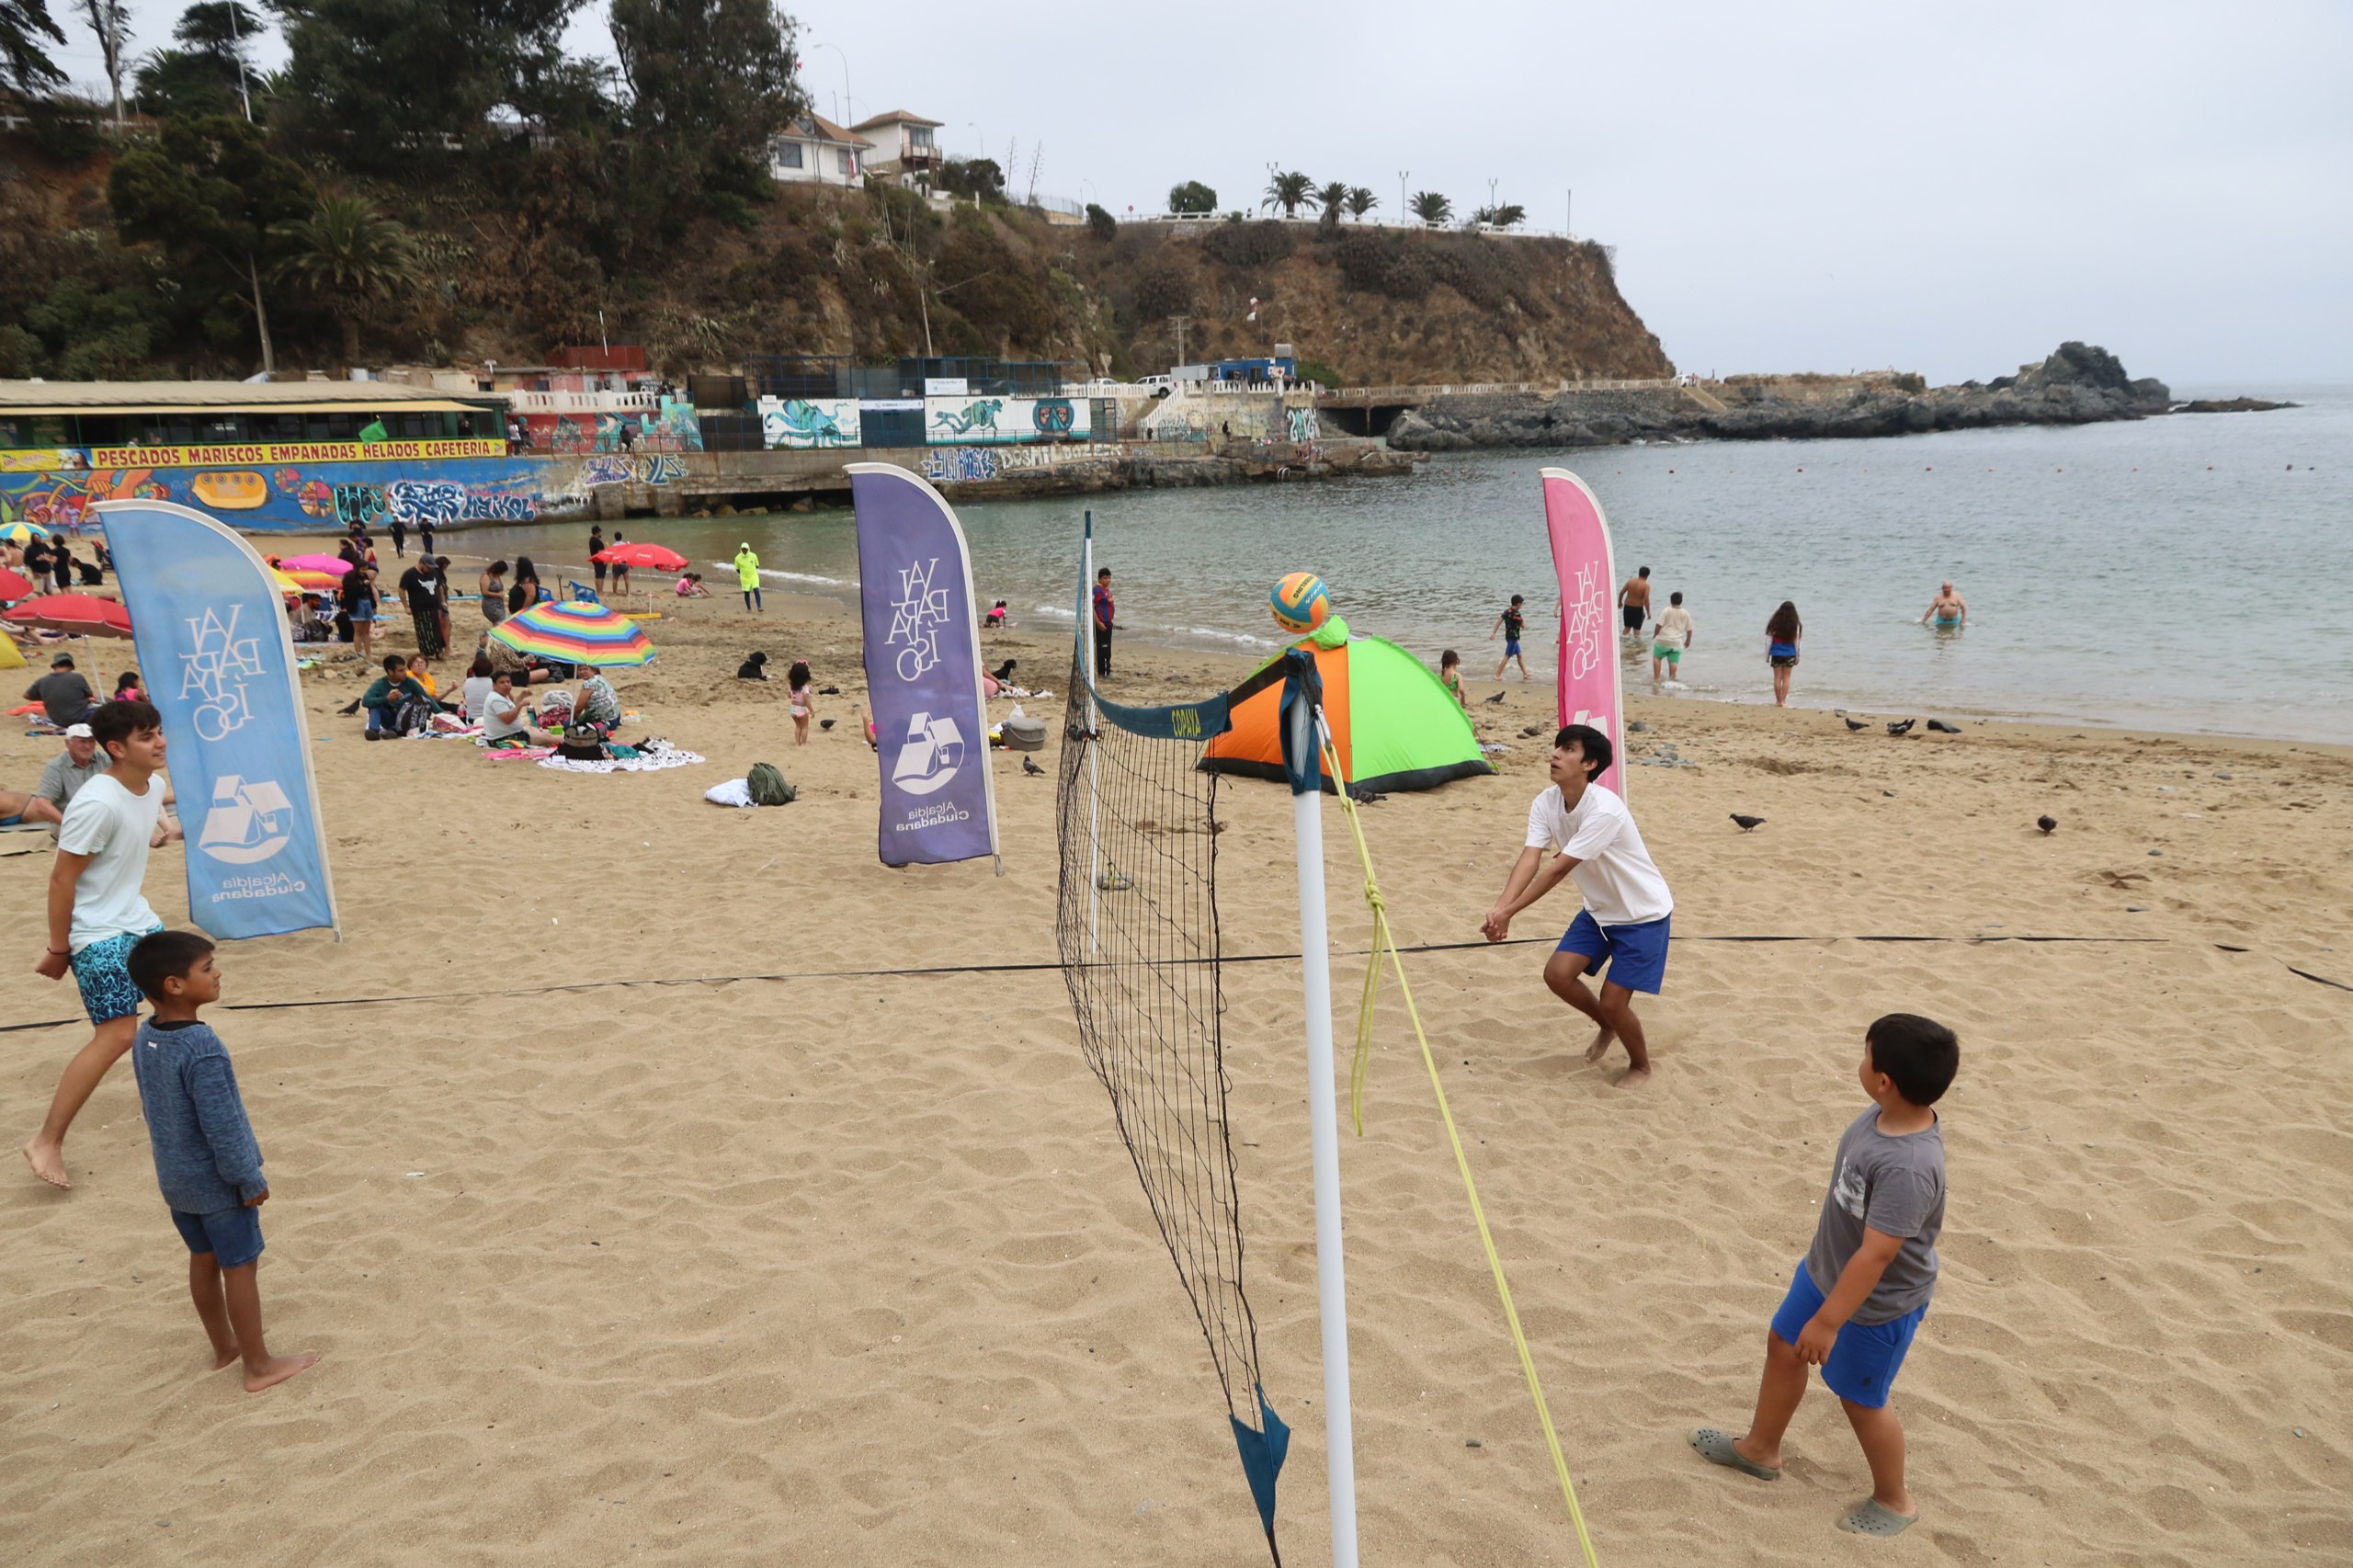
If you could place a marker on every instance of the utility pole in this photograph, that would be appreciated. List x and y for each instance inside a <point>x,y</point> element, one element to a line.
<point>1569,214</point>
<point>1403,175</point>
<point>1180,323</point>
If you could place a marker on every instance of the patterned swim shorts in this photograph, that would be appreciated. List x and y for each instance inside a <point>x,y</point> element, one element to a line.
<point>106,991</point>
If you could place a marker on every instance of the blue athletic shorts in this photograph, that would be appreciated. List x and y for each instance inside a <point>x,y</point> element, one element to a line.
<point>1865,1357</point>
<point>106,991</point>
<point>1635,955</point>
<point>233,1236</point>
<point>1511,647</point>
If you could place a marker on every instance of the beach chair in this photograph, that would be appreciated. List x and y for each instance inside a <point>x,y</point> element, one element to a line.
<point>583,594</point>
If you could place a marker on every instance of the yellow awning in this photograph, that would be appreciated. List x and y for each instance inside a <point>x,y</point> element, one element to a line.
<point>214,409</point>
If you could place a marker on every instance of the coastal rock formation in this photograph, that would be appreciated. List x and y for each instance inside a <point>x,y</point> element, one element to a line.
<point>2079,385</point>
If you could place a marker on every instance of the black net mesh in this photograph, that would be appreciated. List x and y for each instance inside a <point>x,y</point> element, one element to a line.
<point>1137,925</point>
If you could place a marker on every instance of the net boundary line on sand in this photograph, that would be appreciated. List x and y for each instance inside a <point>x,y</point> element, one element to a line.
<point>1029,967</point>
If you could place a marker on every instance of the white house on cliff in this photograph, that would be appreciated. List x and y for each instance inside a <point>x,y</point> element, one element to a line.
<point>905,150</point>
<point>813,150</point>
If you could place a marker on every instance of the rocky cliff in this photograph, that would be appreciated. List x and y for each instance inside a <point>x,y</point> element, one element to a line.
<point>2078,384</point>
<point>518,254</point>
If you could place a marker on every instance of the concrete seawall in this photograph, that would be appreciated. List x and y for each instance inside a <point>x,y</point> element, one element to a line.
<point>612,486</point>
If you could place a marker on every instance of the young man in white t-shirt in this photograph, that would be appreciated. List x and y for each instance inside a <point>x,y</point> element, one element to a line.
<point>1624,922</point>
<point>96,912</point>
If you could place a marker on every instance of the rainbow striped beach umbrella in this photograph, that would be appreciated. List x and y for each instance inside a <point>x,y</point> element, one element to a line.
<point>574,631</point>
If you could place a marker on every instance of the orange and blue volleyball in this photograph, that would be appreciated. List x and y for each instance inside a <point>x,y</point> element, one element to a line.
<point>1301,602</point>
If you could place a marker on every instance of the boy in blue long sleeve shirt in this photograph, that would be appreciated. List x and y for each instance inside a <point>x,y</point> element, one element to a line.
<point>206,1159</point>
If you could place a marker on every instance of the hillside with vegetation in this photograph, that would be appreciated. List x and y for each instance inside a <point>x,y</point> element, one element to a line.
<point>437,183</point>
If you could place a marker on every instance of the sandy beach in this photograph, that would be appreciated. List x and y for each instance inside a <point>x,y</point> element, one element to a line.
<point>640,1220</point>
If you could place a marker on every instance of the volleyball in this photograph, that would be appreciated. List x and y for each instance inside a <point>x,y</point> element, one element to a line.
<point>1301,602</point>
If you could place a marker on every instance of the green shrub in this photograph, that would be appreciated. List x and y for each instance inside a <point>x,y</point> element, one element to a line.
<point>1248,244</point>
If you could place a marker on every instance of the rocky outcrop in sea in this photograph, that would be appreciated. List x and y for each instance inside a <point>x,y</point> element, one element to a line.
<point>2079,385</point>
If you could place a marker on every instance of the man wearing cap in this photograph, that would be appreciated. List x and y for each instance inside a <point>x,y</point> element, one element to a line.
<point>62,694</point>
<point>747,577</point>
<point>80,762</point>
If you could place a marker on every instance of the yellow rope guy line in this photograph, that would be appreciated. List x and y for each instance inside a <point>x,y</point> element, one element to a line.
<point>1384,942</point>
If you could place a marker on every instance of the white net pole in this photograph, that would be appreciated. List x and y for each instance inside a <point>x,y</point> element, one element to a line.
<point>1323,1129</point>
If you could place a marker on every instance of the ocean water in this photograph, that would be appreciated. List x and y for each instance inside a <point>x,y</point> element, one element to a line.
<point>2191,573</point>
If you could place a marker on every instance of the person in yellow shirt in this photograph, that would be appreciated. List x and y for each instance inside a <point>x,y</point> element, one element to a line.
<point>747,577</point>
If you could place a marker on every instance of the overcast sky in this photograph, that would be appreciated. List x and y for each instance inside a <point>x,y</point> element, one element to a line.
<point>1791,187</point>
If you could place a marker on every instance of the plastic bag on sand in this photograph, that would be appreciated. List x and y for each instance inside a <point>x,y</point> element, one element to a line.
<point>735,792</point>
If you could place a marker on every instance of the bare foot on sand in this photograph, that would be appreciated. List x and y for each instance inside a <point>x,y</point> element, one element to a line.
<point>278,1368</point>
<point>48,1161</point>
<point>1602,1041</point>
<point>228,1357</point>
<point>1634,1078</point>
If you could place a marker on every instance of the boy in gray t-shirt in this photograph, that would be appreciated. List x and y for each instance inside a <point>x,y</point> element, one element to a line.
<point>1859,1297</point>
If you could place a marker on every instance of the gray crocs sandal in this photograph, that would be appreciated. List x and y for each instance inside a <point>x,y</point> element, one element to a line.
<point>1716,1449</point>
<point>1871,1517</point>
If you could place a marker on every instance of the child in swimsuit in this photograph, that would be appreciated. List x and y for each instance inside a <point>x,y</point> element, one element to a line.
<point>804,701</point>
<point>1449,675</point>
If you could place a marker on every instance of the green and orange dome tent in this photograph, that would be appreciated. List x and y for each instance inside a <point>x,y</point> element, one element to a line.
<point>1395,727</point>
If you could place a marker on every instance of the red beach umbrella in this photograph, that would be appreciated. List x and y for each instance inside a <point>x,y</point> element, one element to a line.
<point>13,585</point>
<point>83,615</point>
<point>652,557</point>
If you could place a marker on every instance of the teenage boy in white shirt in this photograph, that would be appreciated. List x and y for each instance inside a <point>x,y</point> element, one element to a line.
<point>1580,829</point>
<point>96,912</point>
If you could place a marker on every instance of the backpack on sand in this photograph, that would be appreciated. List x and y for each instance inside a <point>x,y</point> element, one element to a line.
<point>767,788</point>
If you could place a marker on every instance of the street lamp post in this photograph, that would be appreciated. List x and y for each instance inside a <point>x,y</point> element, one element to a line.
<point>849,104</point>
<point>1403,175</point>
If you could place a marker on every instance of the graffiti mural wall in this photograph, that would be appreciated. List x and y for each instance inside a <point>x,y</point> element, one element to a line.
<point>312,486</point>
<point>672,428</point>
<point>962,421</point>
<point>800,424</point>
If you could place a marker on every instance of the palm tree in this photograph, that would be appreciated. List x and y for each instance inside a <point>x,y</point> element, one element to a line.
<point>1334,199</point>
<point>345,254</point>
<point>1430,208</point>
<point>1291,192</point>
<point>1361,201</point>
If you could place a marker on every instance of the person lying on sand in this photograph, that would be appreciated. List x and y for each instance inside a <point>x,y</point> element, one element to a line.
<point>1858,1298</point>
<point>1623,924</point>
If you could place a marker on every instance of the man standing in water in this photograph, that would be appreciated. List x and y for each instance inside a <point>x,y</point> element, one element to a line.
<point>1627,905</point>
<point>1634,602</point>
<point>1670,639</point>
<point>1950,611</point>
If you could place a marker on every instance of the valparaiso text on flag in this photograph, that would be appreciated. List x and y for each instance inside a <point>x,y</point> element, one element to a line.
<point>1589,691</point>
<point>922,671</point>
<point>217,660</point>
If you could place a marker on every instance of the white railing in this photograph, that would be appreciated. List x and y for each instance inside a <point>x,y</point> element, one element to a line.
<point>578,402</point>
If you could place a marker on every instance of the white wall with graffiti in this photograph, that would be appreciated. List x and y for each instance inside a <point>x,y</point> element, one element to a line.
<point>801,424</point>
<point>966,421</point>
